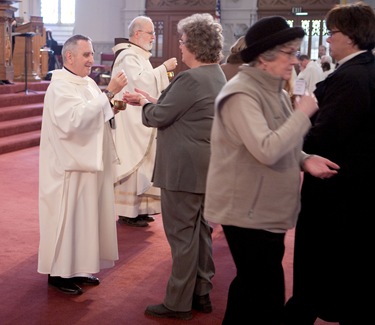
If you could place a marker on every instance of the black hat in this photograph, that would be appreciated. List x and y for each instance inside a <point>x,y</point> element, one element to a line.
<point>266,34</point>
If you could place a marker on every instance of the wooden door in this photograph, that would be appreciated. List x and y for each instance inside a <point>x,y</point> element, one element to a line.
<point>166,41</point>
<point>166,16</point>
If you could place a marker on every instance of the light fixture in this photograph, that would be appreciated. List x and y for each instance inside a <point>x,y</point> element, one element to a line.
<point>297,11</point>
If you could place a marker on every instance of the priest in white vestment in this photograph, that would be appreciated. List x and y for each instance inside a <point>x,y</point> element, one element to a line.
<point>76,202</point>
<point>136,198</point>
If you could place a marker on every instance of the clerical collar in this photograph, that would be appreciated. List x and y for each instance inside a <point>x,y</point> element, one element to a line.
<point>69,70</point>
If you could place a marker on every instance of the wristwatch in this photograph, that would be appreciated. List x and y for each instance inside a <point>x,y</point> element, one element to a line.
<point>109,94</point>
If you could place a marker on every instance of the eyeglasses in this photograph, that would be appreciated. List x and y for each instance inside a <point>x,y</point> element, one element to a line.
<point>181,42</point>
<point>330,33</point>
<point>149,33</point>
<point>291,54</point>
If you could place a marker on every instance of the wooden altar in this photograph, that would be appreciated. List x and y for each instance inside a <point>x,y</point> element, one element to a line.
<point>28,47</point>
<point>6,17</point>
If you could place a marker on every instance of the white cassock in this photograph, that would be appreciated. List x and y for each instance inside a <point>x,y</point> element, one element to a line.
<point>312,74</point>
<point>76,200</point>
<point>136,143</point>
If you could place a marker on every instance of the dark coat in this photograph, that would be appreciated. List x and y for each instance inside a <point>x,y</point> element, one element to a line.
<point>54,46</point>
<point>334,239</point>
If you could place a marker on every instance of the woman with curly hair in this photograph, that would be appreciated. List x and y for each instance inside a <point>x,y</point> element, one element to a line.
<point>183,115</point>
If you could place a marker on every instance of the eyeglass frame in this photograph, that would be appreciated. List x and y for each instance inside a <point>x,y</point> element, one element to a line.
<point>149,33</point>
<point>292,54</point>
<point>330,33</point>
<point>181,42</point>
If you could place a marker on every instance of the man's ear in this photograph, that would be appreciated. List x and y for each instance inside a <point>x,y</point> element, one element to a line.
<point>69,56</point>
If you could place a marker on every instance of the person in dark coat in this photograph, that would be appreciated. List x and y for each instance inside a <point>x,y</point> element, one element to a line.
<point>52,44</point>
<point>334,270</point>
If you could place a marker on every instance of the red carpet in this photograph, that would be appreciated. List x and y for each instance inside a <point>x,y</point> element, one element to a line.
<point>138,279</point>
<point>21,115</point>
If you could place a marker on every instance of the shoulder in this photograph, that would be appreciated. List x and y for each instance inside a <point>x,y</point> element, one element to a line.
<point>358,67</point>
<point>204,74</point>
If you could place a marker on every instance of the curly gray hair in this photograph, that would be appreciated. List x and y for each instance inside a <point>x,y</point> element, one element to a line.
<point>204,37</point>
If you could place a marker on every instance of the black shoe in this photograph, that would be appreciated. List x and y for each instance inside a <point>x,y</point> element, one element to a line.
<point>146,217</point>
<point>65,285</point>
<point>202,303</point>
<point>161,311</point>
<point>86,280</point>
<point>133,222</point>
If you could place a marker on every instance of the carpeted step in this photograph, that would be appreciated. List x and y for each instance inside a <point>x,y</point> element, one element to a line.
<point>21,111</point>
<point>21,115</point>
<point>16,99</point>
<point>19,87</point>
<point>12,127</point>
<point>19,141</point>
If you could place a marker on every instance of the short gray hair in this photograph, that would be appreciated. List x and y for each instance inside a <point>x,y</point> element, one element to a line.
<point>71,43</point>
<point>137,24</point>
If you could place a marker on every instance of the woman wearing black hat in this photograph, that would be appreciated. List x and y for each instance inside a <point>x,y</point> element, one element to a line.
<point>255,169</point>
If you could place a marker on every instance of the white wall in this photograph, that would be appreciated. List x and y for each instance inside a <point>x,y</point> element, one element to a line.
<point>106,23</point>
<point>101,22</point>
<point>236,18</point>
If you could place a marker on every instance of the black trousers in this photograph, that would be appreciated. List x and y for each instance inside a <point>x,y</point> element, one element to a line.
<point>257,293</point>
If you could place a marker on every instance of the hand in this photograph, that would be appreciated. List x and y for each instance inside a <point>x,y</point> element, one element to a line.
<point>118,82</point>
<point>136,98</point>
<point>320,167</point>
<point>170,64</point>
<point>133,98</point>
<point>307,104</point>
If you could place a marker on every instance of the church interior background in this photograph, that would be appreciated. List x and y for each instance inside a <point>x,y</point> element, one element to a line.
<point>112,19</point>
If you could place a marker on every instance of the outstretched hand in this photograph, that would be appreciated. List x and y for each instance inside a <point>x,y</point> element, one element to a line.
<point>136,98</point>
<point>320,167</point>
